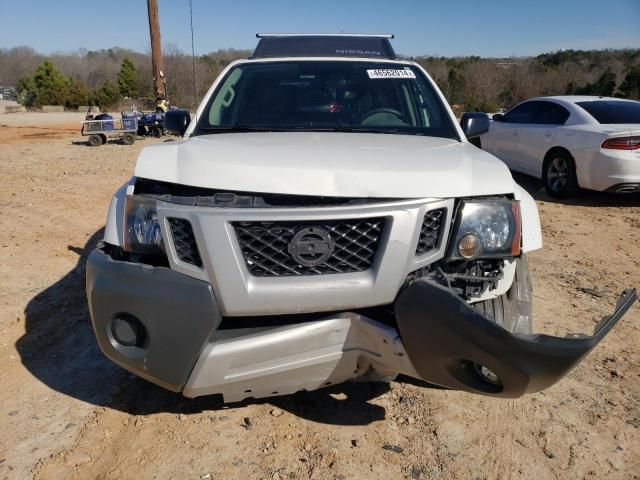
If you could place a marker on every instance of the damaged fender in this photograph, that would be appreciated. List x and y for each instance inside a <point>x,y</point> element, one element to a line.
<point>452,345</point>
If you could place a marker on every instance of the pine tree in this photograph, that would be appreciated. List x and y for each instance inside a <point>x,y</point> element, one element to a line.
<point>456,86</point>
<point>603,86</point>
<point>606,83</point>
<point>47,86</point>
<point>78,95</point>
<point>105,96</point>
<point>128,79</point>
<point>26,91</point>
<point>630,86</point>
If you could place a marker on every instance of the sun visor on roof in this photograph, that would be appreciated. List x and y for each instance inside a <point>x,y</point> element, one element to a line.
<point>324,46</point>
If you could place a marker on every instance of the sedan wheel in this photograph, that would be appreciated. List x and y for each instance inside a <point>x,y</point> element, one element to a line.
<point>560,176</point>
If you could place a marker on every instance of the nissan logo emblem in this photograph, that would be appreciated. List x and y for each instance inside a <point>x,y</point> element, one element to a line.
<point>311,246</point>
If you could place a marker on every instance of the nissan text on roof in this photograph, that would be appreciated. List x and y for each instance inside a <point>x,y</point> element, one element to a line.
<point>324,218</point>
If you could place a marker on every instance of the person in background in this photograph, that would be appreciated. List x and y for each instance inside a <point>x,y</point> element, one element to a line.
<point>161,105</point>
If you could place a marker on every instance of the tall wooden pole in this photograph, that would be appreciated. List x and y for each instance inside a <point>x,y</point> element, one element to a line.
<point>156,50</point>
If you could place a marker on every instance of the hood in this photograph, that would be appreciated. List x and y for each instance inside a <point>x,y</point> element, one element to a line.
<point>328,164</point>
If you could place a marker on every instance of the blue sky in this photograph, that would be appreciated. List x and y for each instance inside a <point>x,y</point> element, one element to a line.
<point>463,27</point>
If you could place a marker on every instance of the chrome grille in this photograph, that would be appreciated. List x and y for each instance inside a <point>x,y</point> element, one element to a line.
<point>184,241</point>
<point>430,230</point>
<point>266,246</point>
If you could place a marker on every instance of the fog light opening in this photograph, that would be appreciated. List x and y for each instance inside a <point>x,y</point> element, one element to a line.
<point>128,331</point>
<point>487,375</point>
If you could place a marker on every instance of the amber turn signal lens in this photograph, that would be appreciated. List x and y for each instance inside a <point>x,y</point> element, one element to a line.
<point>515,244</point>
<point>469,246</point>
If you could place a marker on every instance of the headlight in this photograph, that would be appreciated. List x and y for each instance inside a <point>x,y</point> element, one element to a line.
<point>142,232</point>
<point>486,229</point>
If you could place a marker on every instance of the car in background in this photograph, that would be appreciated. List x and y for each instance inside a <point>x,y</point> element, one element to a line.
<point>571,142</point>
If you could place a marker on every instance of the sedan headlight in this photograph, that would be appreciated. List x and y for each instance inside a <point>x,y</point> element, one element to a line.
<point>142,233</point>
<point>486,229</point>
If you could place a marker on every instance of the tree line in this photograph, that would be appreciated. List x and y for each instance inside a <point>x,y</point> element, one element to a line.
<point>488,84</point>
<point>105,77</point>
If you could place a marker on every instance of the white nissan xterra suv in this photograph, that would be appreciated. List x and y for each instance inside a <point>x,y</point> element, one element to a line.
<point>324,218</point>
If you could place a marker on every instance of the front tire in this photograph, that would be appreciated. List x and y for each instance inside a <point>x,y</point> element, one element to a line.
<point>559,175</point>
<point>512,310</point>
<point>94,141</point>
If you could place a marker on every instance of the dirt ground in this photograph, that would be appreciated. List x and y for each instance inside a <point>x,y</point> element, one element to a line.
<point>67,412</point>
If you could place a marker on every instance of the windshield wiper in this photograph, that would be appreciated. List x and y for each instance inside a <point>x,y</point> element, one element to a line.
<point>357,129</point>
<point>239,128</point>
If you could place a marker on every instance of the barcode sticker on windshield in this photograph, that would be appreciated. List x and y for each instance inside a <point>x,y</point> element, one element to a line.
<point>390,73</point>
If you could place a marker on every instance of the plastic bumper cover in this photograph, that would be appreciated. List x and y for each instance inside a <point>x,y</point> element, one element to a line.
<point>175,315</point>
<point>441,339</point>
<point>449,343</point>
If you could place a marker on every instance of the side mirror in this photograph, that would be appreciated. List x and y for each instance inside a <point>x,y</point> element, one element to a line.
<point>176,121</point>
<point>474,124</point>
<point>497,117</point>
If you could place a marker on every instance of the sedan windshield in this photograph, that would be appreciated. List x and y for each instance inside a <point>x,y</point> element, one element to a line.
<point>326,96</point>
<point>613,111</point>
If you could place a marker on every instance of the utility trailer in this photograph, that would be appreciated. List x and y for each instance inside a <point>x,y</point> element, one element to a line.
<point>104,126</point>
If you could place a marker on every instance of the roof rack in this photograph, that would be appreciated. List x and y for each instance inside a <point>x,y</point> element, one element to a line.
<point>324,45</point>
<point>388,36</point>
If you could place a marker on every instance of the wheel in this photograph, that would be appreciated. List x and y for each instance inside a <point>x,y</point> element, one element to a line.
<point>103,138</point>
<point>142,130</point>
<point>94,141</point>
<point>512,310</point>
<point>128,138</point>
<point>559,175</point>
<point>156,132</point>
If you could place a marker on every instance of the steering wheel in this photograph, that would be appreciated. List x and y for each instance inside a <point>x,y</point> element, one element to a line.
<point>377,111</point>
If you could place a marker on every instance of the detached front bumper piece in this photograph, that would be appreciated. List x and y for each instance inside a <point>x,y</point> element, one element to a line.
<point>452,345</point>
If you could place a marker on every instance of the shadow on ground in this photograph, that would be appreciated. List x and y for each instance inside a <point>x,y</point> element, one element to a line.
<point>110,141</point>
<point>584,198</point>
<point>60,350</point>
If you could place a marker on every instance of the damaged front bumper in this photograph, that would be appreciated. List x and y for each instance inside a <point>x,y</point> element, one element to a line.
<point>164,326</point>
<point>451,344</point>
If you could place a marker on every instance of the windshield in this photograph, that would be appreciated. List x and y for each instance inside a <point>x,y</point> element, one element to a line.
<point>326,96</point>
<point>613,111</point>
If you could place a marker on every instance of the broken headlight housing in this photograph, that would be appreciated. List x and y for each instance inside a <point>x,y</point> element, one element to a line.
<point>142,232</point>
<point>486,229</point>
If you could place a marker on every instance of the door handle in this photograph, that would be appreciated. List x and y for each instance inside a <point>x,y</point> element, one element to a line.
<point>547,133</point>
<point>515,133</point>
